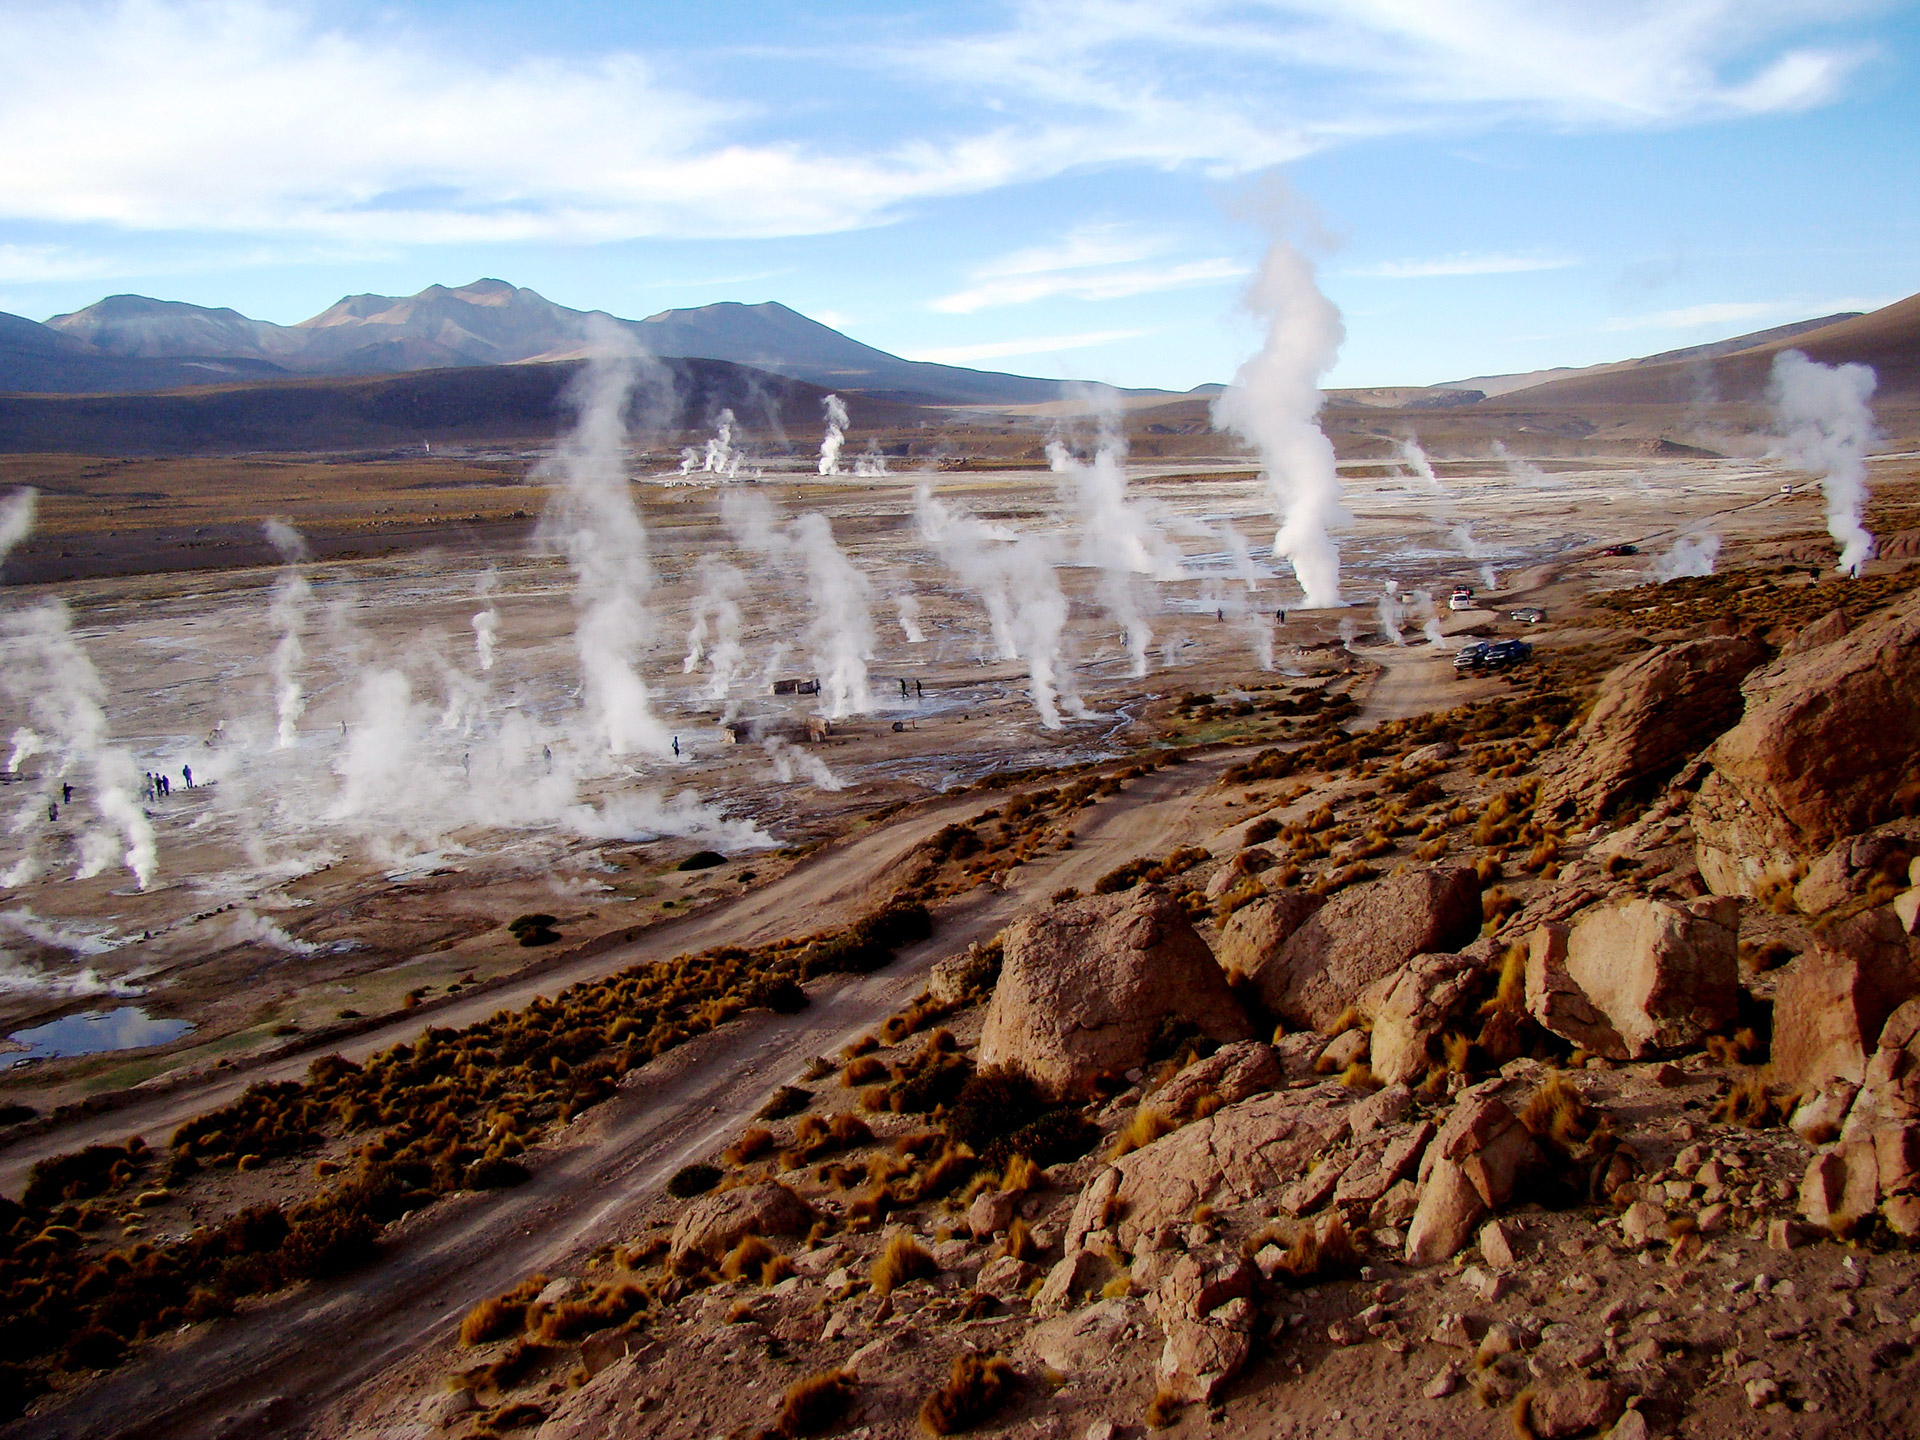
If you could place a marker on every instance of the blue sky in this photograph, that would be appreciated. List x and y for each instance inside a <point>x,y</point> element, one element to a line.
<point>1064,187</point>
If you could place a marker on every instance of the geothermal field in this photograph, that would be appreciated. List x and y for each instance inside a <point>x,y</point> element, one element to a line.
<point>374,766</point>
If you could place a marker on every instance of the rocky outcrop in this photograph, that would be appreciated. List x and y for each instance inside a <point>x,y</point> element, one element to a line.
<point>1207,1314</point>
<point>1362,935</point>
<point>715,1223</point>
<point>1663,975</point>
<point>1253,934</point>
<point>1853,866</point>
<point>1831,1003</point>
<point>1084,986</point>
<point>1822,751</point>
<point>1651,715</point>
<point>1229,1075</point>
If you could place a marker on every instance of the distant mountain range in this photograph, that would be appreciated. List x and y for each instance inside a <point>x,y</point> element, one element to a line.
<point>132,343</point>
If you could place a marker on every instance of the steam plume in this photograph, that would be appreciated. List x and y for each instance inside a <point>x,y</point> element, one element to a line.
<point>836,435</point>
<point>715,636</point>
<point>16,519</point>
<point>1828,422</point>
<point>486,624</point>
<point>909,606</point>
<point>1690,555</point>
<point>595,523</point>
<point>288,613</point>
<point>1274,403</point>
<point>1458,528</point>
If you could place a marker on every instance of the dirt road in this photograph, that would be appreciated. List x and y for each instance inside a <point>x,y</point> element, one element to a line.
<point>280,1369</point>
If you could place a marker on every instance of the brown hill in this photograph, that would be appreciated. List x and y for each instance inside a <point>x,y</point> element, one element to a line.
<point>1887,339</point>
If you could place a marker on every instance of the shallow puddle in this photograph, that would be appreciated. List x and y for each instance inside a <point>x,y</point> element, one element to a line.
<point>91,1032</point>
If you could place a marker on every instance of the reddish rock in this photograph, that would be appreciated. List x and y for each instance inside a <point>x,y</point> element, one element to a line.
<point>715,1223</point>
<point>1822,750</point>
<point>1841,1185</point>
<point>1652,714</point>
<point>1850,868</point>
<point>1364,933</point>
<point>1084,987</point>
<point>1253,934</point>
<point>1558,1004</point>
<point>1896,1155</point>
<point>1573,1405</point>
<point>1831,1002</point>
<point>1489,1144</point>
<point>1450,1207</point>
<point>1663,975</point>
<point>1430,993</point>
<point>1231,1073</point>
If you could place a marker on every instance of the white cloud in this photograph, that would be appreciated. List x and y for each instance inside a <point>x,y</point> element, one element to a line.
<point>1106,284</point>
<point>36,263</point>
<point>1450,265</point>
<point>1033,345</point>
<point>269,119</point>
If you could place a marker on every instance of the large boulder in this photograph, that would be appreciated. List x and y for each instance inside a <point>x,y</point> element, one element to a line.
<point>1652,714</point>
<point>715,1223</point>
<point>1891,1094</point>
<point>1254,933</point>
<point>1473,1166</point>
<point>1428,994</point>
<point>1084,987</point>
<point>1234,1155</point>
<point>1558,1004</point>
<point>1664,976</point>
<point>1831,1004</point>
<point>1362,935</point>
<point>1824,750</point>
<point>1228,1076</point>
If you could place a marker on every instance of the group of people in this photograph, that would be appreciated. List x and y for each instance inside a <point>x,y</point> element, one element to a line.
<point>159,787</point>
<point>918,690</point>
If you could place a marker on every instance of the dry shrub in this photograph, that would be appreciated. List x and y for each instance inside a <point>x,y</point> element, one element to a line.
<point>747,1259</point>
<point>503,1315</point>
<point>608,1305</point>
<point>1559,1114</point>
<point>1775,891</point>
<point>901,1261</point>
<point>1020,1176</point>
<point>1320,1252</point>
<point>814,1403</point>
<point>1019,1242</point>
<point>1163,1410</point>
<point>1346,1020</point>
<point>976,1388</point>
<point>1146,1126</point>
<point>859,1047</point>
<point>776,1270</point>
<point>1359,1076</point>
<point>1431,849</point>
<point>1743,1047</point>
<point>863,1070</point>
<point>751,1145</point>
<point>787,1100</point>
<point>1750,1101</point>
<point>1757,959</point>
<point>847,1131</point>
<point>1487,867</point>
<point>875,1098</point>
<point>1496,906</point>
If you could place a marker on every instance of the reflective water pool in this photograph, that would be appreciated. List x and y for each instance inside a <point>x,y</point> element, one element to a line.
<point>91,1032</point>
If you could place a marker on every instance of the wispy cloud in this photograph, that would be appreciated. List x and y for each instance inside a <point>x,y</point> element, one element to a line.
<point>1031,345</point>
<point>35,263</point>
<point>270,118</point>
<point>1450,265</point>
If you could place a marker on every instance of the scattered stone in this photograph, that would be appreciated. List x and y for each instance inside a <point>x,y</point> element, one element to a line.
<point>1573,1406</point>
<point>991,1212</point>
<point>1496,1248</point>
<point>1444,1382</point>
<point>1427,994</point>
<point>1762,1392</point>
<point>1819,1117</point>
<point>952,980</point>
<point>1080,1341</point>
<point>1630,1426</point>
<point>1068,1279</point>
<point>1004,1276</point>
<point>1349,1047</point>
<point>1841,1185</point>
<point>1783,1234</point>
<point>1084,987</point>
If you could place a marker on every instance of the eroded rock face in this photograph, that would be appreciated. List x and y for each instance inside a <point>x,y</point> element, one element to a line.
<point>1652,714</point>
<point>1228,1158</point>
<point>1231,1073</point>
<point>1663,975</point>
<point>1822,750</point>
<point>715,1223</point>
<point>1254,933</point>
<point>1084,986</point>
<point>1429,993</point>
<point>1832,1002</point>
<point>1362,935</point>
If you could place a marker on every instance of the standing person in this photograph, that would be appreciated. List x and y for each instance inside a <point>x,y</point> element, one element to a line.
<point>676,747</point>
<point>53,811</point>
<point>66,793</point>
<point>186,772</point>
<point>919,691</point>
<point>903,689</point>
<point>166,787</point>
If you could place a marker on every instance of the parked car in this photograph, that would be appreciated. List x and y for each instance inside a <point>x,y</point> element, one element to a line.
<point>1621,550</point>
<point>1484,656</point>
<point>1462,598</point>
<point>1528,615</point>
